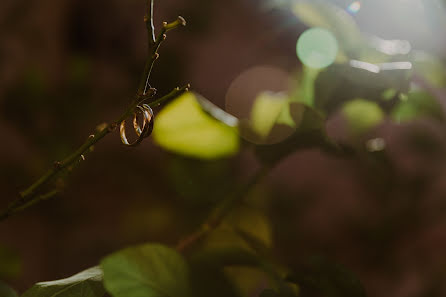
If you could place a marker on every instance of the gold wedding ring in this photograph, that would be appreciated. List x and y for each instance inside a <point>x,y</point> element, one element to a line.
<point>141,132</point>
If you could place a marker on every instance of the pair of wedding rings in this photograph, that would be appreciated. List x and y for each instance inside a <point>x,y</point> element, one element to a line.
<point>142,113</point>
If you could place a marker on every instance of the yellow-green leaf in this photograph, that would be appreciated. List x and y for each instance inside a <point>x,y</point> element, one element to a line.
<point>183,127</point>
<point>266,111</point>
<point>362,115</point>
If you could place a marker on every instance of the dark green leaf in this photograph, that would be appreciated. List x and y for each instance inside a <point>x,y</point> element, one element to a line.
<point>87,283</point>
<point>6,291</point>
<point>417,104</point>
<point>325,277</point>
<point>269,293</point>
<point>150,270</point>
<point>339,84</point>
<point>309,133</point>
<point>10,263</point>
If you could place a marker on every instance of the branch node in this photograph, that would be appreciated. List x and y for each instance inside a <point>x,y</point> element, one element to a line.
<point>112,127</point>
<point>180,21</point>
<point>57,164</point>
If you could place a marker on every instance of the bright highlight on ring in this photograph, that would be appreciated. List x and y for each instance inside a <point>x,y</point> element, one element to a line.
<point>141,132</point>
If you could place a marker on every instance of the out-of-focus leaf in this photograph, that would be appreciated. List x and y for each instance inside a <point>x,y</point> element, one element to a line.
<point>195,179</point>
<point>389,94</point>
<point>330,279</point>
<point>417,104</point>
<point>244,220</point>
<point>207,276</point>
<point>285,117</point>
<point>185,128</point>
<point>430,68</point>
<point>283,293</point>
<point>226,256</point>
<point>309,133</point>
<point>10,263</point>
<point>266,111</point>
<point>6,291</point>
<point>269,293</point>
<point>362,115</point>
<point>339,84</point>
<point>252,222</point>
<point>247,280</point>
<point>272,120</point>
<point>150,270</point>
<point>319,13</point>
<point>87,283</point>
<point>305,89</point>
<point>239,267</point>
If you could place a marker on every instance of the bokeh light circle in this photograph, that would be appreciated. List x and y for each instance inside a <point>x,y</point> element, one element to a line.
<point>256,88</point>
<point>317,48</point>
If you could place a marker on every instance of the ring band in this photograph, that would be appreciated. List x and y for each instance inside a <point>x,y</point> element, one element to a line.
<point>147,125</point>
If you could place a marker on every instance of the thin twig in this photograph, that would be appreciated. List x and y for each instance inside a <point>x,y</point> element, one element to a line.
<point>149,23</point>
<point>154,46</point>
<point>221,211</point>
<point>29,196</point>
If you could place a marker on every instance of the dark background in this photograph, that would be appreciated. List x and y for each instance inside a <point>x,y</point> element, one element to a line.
<point>68,66</point>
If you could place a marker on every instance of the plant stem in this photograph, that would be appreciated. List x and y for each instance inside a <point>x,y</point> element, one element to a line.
<point>222,210</point>
<point>28,196</point>
<point>149,23</point>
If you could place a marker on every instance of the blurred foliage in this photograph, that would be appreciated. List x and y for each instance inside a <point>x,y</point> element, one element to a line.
<point>326,278</point>
<point>326,15</point>
<point>6,291</point>
<point>362,115</point>
<point>417,104</point>
<point>272,247</point>
<point>87,283</point>
<point>148,270</point>
<point>430,68</point>
<point>11,264</point>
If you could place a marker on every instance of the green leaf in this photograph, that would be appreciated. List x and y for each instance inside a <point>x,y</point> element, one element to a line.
<point>150,270</point>
<point>6,291</point>
<point>362,115</point>
<point>185,128</point>
<point>87,283</point>
<point>326,277</point>
<point>269,109</point>
<point>10,263</point>
<point>417,104</point>
<point>305,91</point>
<point>310,132</point>
<point>430,68</point>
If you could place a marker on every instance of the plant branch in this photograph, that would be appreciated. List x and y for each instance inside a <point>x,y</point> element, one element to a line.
<point>222,210</point>
<point>29,197</point>
<point>148,19</point>
<point>154,46</point>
